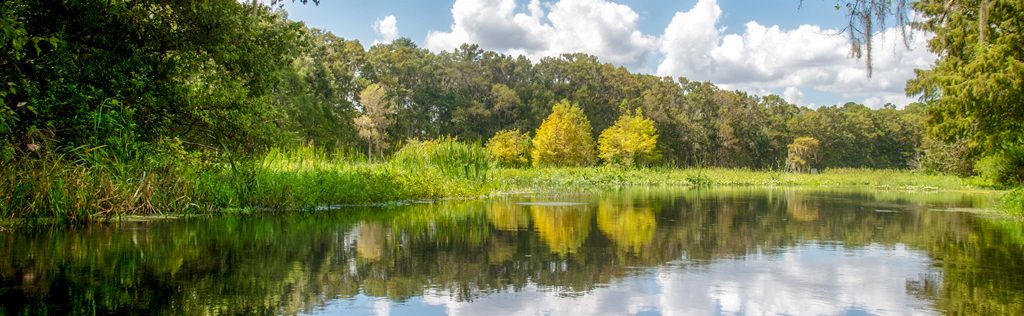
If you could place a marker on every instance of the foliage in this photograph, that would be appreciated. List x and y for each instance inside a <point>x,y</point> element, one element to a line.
<point>1013,202</point>
<point>510,148</point>
<point>856,136</point>
<point>376,117</point>
<point>631,141</point>
<point>1005,167</point>
<point>976,88</point>
<point>946,157</point>
<point>699,178</point>
<point>564,138</point>
<point>446,155</point>
<point>322,88</point>
<point>803,154</point>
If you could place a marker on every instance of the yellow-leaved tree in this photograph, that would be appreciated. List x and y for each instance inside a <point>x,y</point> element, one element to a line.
<point>564,138</point>
<point>510,148</point>
<point>376,118</point>
<point>630,142</point>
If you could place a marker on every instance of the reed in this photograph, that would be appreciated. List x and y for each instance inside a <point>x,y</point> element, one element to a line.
<point>445,155</point>
<point>98,183</point>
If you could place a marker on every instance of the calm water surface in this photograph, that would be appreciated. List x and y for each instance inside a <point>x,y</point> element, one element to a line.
<point>642,251</point>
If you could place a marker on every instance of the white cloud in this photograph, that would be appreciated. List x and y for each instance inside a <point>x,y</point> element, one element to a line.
<point>689,39</point>
<point>807,57</point>
<point>605,29</point>
<point>761,59</point>
<point>386,28</point>
<point>793,95</point>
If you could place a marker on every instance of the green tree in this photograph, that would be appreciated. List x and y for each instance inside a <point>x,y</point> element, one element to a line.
<point>564,138</point>
<point>507,106</point>
<point>134,72</point>
<point>630,142</point>
<point>324,86</point>
<point>975,92</point>
<point>510,148</point>
<point>413,76</point>
<point>803,154</point>
<point>376,117</point>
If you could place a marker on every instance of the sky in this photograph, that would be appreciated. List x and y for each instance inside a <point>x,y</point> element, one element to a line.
<point>764,47</point>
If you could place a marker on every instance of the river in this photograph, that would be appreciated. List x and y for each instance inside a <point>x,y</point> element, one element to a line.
<point>636,251</point>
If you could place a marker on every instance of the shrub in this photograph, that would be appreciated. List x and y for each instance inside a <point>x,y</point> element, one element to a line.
<point>510,148</point>
<point>699,179</point>
<point>951,158</point>
<point>1006,167</point>
<point>446,155</point>
<point>564,138</point>
<point>631,141</point>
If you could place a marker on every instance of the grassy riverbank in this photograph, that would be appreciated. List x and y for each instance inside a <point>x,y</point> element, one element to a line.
<point>78,190</point>
<point>603,176</point>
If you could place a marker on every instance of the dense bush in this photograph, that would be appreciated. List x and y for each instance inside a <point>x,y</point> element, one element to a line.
<point>564,138</point>
<point>1005,167</point>
<point>510,148</point>
<point>953,157</point>
<point>630,142</point>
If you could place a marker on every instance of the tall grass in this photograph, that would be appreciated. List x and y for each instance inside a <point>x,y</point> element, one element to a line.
<point>446,155</point>
<point>1013,202</point>
<point>85,183</point>
<point>304,178</point>
<point>97,184</point>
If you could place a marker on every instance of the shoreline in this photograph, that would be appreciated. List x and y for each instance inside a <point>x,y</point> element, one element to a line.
<point>338,185</point>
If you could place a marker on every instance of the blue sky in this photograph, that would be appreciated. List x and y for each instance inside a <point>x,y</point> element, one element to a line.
<point>761,47</point>
<point>354,19</point>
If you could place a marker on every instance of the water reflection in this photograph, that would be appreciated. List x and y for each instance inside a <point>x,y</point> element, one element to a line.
<point>508,216</point>
<point>660,251</point>
<point>563,228</point>
<point>808,279</point>
<point>630,227</point>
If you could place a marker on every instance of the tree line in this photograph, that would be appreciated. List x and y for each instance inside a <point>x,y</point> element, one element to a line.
<point>240,77</point>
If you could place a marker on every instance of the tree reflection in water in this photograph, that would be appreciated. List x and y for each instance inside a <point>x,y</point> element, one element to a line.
<point>475,251</point>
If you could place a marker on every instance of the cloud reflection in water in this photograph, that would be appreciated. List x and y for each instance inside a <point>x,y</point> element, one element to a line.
<point>808,279</point>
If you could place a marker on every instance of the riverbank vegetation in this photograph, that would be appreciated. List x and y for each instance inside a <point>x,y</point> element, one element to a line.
<point>141,107</point>
<point>310,178</point>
